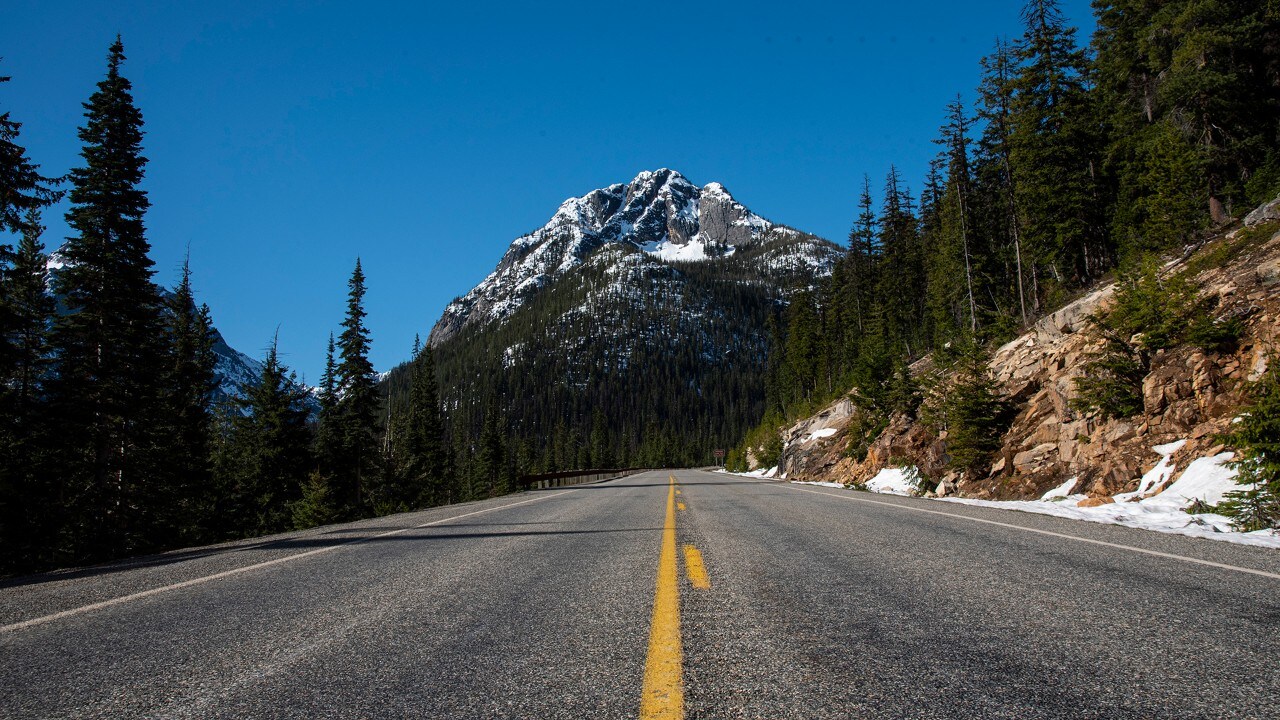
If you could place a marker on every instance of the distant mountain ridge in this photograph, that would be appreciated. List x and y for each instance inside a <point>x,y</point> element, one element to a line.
<point>234,370</point>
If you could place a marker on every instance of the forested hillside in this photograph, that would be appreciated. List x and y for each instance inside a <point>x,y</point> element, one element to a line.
<point>1077,158</point>
<point>1079,165</point>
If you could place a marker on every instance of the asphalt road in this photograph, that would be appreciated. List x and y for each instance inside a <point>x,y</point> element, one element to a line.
<point>822,603</point>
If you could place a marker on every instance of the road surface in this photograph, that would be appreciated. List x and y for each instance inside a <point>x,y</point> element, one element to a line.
<point>665,594</point>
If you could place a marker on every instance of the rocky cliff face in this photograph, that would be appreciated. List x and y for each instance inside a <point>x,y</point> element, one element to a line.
<point>1189,394</point>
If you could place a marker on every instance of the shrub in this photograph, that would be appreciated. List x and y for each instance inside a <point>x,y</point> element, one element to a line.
<point>968,407</point>
<point>1150,312</point>
<point>1257,438</point>
<point>1111,382</point>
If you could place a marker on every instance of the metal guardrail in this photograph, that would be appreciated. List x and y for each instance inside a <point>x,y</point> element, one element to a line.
<point>575,477</point>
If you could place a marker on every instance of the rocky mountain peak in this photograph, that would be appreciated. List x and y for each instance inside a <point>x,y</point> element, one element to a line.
<point>659,212</point>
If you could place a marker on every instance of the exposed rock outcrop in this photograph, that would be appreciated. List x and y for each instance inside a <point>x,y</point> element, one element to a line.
<point>1188,394</point>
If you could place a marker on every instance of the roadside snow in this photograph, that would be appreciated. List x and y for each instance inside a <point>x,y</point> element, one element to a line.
<point>1206,479</point>
<point>1061,492</point>
<point>1157,476</point>
<point>895,481</point>
<point>819,484</point>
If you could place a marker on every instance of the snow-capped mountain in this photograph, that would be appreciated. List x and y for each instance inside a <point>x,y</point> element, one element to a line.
<point>639,312</point>
<point>660,213</point>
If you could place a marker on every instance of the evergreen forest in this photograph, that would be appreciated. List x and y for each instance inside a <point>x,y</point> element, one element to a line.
<point>1078,159</point>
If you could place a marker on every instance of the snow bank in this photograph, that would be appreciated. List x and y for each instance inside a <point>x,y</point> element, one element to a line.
<point>1206,479</point>
<point>895,481</point>
<point>1157,476</point>
<point>1061,492</point>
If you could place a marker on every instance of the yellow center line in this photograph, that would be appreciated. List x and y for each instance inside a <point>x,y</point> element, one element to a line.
<point>695,569</point>
<point>663,694</point>
<point>680,506</point>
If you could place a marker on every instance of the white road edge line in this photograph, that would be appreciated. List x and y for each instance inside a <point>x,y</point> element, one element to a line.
<point>1050,533</point>
<point>257,566</point>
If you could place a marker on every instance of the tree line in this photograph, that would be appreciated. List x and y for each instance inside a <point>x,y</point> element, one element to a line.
<point>111,442</point>
<point>1073,161</point>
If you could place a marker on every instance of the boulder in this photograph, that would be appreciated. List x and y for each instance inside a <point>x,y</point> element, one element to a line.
<point>1029,461</point>
<point>1266,213</point>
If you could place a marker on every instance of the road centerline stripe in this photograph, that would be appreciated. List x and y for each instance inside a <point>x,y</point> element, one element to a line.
<point>695,568</point>
<point>663,692</point>
<point>1050,533</point>
<point>256,566</point>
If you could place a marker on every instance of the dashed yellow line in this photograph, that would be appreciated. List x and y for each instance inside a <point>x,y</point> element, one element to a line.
<point>663,694</point>
<point>695,569</point>
<point>680,506</point>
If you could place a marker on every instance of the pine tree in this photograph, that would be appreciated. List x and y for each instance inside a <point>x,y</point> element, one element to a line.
<point>190,384</point>
<point>491,474</point>
<point>263,466</point>
<point>356,410</point>
<point>901,280</point>
<point>109,345</point>
<point>25,494</point>
<point>993,166</point>
<point>951,258</point>
<point>422,452</point>
<point>863,257</point>
<point>1257,437</point>
<point>971,411</point>
<point>22,188</point>
<point>802,350</point>
<point>601,452</point>
<point>1054,140</point>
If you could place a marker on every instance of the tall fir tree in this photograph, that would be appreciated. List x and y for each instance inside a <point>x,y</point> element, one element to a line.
<point>490,475</point>
<point>951,259</point>
<point>189,385</point>
<point>22,187</point>
<point>1054,144</point>
<point>25,492</point>
<point>901,280</point>
<point>994,173</point>
<point>109,344</point>
<point>423,455</point>
<point>263,464</point>
<point>23,192</point>
<point>356,408</point>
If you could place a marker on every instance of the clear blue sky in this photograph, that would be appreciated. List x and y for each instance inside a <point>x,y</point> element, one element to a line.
<point>287,138</point>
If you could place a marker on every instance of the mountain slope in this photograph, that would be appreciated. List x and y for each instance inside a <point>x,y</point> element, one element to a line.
<point>636,316</point>
<point>235,371</point>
